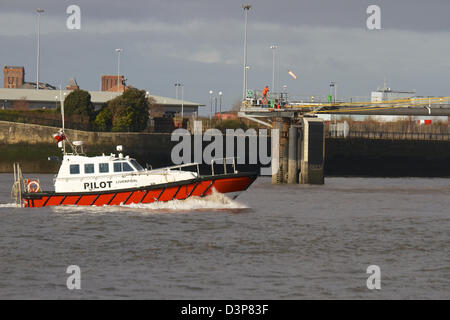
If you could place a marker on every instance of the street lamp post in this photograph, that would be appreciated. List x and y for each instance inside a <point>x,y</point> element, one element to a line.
<point>215,106</point>
<point>210,109</point>
<point>246,8</point>
<point>182,96</point>
<point>182,101</point>
<point>118,69</point>
<point>333,116</point>
<point>273,47</point>
<point>220,105</point>
<point>39,11</point>
<point>176,90</point>
<point>332,85</point>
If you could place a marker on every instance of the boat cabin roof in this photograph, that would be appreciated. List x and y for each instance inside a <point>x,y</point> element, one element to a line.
<point>77,165</point>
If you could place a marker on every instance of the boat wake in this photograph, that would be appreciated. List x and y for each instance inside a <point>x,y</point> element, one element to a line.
<point>9,205</point>
<point>213,201</point>
<point>216,201</point>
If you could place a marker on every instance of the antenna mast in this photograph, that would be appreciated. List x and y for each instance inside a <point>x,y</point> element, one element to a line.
<point>62,115</point>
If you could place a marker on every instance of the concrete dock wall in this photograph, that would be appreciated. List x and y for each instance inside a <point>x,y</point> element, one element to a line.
<point>31,145</point>
<point>387,158</point>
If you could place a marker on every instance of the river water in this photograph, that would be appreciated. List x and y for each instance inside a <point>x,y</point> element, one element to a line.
<point>273,242</point>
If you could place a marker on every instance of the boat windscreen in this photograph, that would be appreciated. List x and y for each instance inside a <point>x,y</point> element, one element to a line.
<point>136,165</point>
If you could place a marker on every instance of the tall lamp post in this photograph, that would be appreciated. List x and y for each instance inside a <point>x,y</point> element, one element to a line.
<point>210,109</point>
<point>215,106</point>
<point>332,85</point>
<point>176,90</point>
<point>273,47</point>
<point>182,100</point>
<point>118,69</point>
<point>246,87</point>
<point>246,8</point>
<point>333,116</point>
<point>182,96</point>
<point>39,11</point>
<point>220,105</point>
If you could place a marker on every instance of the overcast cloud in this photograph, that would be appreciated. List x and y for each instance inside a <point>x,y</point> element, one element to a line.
<point>200,43</point>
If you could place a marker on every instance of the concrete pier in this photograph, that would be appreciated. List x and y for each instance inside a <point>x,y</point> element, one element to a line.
<point>282,124</point>
<point>301,151</point>
<point>313,152</point>
<point>284,149</point>
<point>276,176</point>
<point>293,154</point>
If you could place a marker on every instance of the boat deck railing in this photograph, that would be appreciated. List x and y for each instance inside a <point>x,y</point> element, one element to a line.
<point>224,164</point>
<point>16,190</point>
<point>215,161</point>
<point>180,166</point>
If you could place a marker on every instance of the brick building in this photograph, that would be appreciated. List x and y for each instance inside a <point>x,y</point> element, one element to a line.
<point>13,76</point>
<point>109,83</point>
<point>226,116</point>
<point>17,91</point>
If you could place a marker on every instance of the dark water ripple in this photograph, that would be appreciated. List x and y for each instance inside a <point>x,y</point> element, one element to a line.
<point>276,242</point>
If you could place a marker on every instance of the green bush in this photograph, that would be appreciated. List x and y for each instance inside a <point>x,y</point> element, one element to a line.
<point>103,120</point>
<point>78,102</point>
<point>125,113</point>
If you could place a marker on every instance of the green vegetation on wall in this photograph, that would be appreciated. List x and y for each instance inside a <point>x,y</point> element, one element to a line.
<point>125,113</point>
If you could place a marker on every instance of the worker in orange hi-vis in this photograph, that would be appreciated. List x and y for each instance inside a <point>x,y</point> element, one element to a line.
<point>264,94</point>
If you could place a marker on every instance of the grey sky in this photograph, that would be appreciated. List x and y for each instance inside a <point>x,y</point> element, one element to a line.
<point>199,43</point>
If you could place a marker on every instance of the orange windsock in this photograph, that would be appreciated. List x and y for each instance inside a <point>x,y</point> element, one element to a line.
<point>292,74</point>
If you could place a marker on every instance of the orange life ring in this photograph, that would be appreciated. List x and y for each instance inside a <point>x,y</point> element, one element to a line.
<point>33,186</point>
<point>264,100</point>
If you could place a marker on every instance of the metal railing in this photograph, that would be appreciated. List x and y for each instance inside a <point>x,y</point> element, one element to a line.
<point>197,166</point>
<point>224,164</point>
<point>393,135</point>
<point>16,190</point>
<point>179,166</point>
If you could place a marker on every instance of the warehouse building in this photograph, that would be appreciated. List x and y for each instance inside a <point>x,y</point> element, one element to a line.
<point>19,94</point>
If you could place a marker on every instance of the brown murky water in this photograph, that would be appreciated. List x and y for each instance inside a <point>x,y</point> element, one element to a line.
<point>274,242</point>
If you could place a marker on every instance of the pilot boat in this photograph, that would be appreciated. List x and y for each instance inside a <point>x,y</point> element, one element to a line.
<point>115,179</point>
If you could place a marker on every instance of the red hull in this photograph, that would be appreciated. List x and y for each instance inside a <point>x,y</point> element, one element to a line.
<point>193,188</point>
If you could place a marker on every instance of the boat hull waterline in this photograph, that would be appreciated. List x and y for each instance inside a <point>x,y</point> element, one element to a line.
<point>228,184</point>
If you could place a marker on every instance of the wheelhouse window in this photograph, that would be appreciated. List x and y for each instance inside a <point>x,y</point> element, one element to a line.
<point>135,164</point>
<point>89,168</point>
<point>117,167</point>
<point>122,167</point>
<point>74,169</point>
<point>126,167</point>
<point>103,167</point>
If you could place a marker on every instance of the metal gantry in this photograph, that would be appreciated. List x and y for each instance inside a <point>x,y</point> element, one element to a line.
<point>430,106</point>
